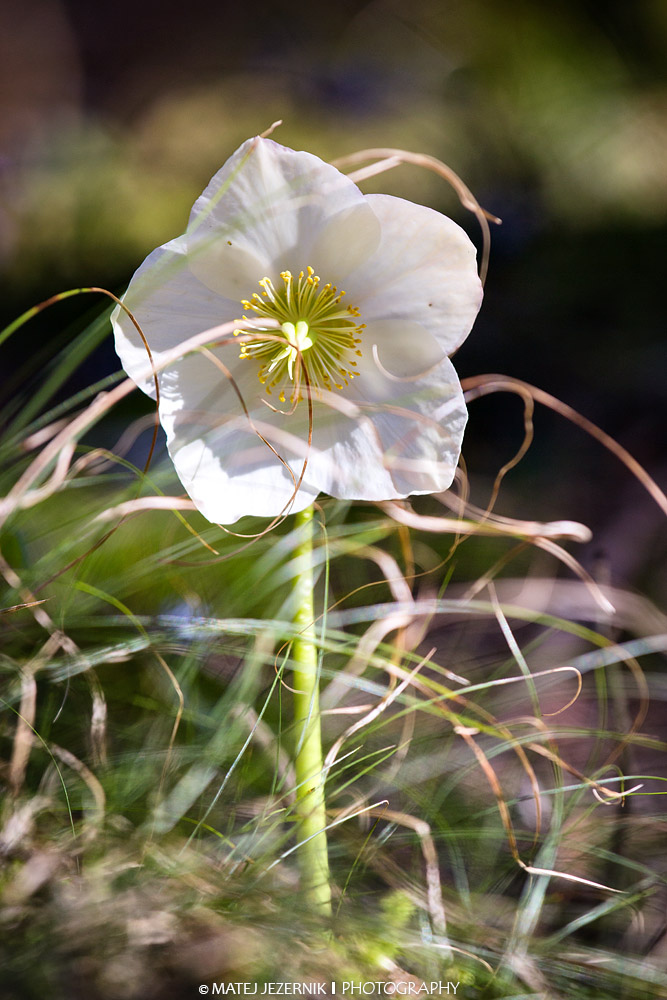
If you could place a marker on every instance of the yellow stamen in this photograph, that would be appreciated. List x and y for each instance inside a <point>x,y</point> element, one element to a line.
<point>315,332</point>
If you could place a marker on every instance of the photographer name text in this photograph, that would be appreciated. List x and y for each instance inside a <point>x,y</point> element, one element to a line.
<point>344,988</point>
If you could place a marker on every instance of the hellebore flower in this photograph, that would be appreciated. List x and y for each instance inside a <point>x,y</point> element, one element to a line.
<point>346,307</point>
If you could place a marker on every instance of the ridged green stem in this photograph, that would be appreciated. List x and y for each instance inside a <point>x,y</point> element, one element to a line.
<point>310,804</point>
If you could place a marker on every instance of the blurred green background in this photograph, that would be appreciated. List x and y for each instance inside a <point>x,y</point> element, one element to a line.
<point>113,116</point>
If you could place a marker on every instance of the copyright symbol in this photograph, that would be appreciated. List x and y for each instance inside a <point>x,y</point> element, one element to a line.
<point>203,989</point>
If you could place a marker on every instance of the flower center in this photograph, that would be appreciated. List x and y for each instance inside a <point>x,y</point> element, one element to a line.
<point>316,332</point>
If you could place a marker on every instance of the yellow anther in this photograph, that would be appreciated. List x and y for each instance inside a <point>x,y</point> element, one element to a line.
<point>310,337</point>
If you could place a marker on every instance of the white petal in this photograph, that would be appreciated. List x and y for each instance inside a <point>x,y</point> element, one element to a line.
<point>345,243</point>
<point>412,430</point>
<point>399,348</point>
<point>170,305</point>
<point>347,458</point>
<point>342,244</point>
<point>400,431</point>
<point>223,463</point>
<point>229,471</point>
<point>226,268</point>
<point>227,484</point>
<point>272,204</point>
<point>423,432</point>
<point>390,447</point>
<point>424,271</point>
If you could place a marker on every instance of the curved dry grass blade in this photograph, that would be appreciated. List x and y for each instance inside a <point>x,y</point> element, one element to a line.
<point>95,410</point>
<point>20,823</point>
<point>92,289</point>
<point>436,906</point>
<point>393,157</point>
<point>19,607</point>
<point>529,433</point>
<point>386,563</point>
<point>570,530</point>
<point>540,535</point>
<point>25,722</point>
<point>434,900</point>
<point>374,713</point>
<point>177,722</point>
<point>482,385</point>
<point>57,638</point>
<point>87,776</point>
<point>131,507</point>
<point>467,733</point>
<point>363,655</point>
<point>549,872</point>
<point>560,762</point>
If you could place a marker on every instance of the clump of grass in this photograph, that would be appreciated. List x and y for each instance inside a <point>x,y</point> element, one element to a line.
<point>493,790</point>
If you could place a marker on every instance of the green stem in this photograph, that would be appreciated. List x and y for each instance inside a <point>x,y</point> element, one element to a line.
<point>310,804</point>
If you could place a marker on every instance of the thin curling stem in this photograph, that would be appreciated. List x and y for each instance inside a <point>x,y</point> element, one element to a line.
<point>310,804</point>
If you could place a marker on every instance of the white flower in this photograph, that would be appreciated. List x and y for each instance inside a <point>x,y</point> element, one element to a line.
<point>345,301</point>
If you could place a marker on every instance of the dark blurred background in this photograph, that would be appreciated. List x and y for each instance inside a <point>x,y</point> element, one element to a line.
<point>113,116</point>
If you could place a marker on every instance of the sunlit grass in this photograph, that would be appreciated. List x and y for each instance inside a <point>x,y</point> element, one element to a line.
<point>494,789</point>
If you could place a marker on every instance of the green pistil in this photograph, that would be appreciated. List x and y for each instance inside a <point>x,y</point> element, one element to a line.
<point>316,331</point>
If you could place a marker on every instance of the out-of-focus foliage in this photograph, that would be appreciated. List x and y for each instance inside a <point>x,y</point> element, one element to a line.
<point>111,129</point>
